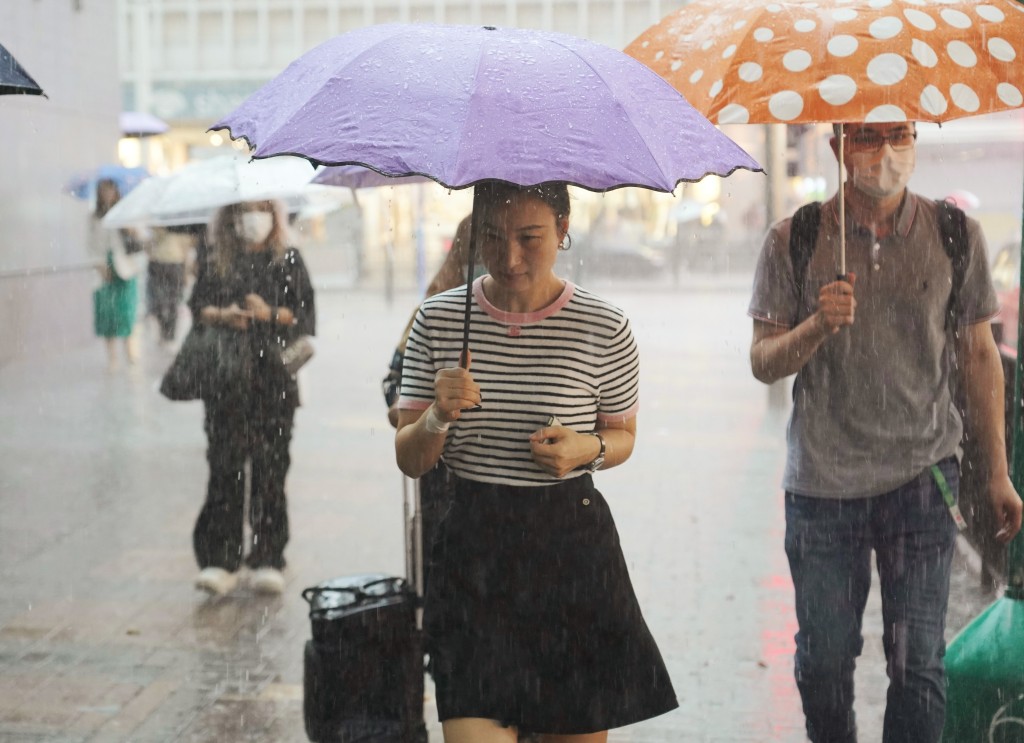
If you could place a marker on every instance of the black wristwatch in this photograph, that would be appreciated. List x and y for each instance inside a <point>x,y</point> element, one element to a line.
<point>595,465</point>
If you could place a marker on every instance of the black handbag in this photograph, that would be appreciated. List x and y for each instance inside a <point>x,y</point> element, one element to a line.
<point>214,363</point>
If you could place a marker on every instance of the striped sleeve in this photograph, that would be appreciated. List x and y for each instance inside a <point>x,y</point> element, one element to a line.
<point>417,390</point>
<point>620,377</point>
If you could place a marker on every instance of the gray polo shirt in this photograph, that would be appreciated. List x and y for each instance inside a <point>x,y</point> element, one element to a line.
<point>873,407</point>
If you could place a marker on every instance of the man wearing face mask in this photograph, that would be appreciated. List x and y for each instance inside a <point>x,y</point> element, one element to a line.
<point>256,288</point>
<point>874,434</point>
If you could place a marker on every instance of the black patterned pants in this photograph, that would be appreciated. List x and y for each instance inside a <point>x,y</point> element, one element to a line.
<point>258,434</point>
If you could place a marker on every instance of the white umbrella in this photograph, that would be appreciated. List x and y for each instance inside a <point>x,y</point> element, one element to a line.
<point>191,195</point>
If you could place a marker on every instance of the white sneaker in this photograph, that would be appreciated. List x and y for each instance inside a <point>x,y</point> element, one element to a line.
<point>216,581</point>
<point>267,580</point>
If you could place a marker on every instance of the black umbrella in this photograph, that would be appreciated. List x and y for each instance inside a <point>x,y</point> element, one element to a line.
<point>14,79</point>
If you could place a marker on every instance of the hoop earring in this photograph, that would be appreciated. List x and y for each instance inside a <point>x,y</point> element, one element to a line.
<point>562,245</point>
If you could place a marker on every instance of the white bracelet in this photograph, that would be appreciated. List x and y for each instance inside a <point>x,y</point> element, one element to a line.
<point>433,422</point>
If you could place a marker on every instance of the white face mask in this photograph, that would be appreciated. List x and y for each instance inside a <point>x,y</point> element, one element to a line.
<point>881,174</point>
<point>254,227</point>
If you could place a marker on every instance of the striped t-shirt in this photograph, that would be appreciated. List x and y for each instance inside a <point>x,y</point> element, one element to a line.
<point>575,360</point>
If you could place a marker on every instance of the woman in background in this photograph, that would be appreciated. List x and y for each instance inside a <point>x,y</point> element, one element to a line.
<point>119,260</point>
<point>252,283</point>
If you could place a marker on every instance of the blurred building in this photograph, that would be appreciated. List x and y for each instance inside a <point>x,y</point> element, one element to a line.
<point>191,61</point>
<point>45,279</point>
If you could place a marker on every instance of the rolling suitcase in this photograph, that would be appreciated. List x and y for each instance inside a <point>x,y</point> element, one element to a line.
<point>363,667</point>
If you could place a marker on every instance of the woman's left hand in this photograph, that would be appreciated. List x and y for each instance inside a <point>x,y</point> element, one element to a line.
<point>258,307</point>
<point>558,450</point>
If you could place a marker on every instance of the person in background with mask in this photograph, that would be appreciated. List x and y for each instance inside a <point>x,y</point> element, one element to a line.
<point>874,433</point>
<point>251,282</point>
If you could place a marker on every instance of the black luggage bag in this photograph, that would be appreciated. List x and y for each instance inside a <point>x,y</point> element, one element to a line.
<point>364,665</point>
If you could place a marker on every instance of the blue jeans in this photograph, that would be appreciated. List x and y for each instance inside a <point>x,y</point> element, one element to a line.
<point>829,545</point>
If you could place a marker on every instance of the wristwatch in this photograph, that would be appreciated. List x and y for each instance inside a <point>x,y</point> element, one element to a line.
<point>595,465</point>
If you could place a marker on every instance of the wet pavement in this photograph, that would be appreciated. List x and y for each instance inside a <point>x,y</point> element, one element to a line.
<point>103,638</point>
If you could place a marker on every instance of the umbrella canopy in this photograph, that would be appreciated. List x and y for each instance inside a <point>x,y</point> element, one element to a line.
<point>871,61</point>
<point>462,104</point>
<point>192,194</point>
<point>841,61</point>
<point>465,104</point>
<point>14,79</point>
<point>83,185</point>
<point>141,124</point>
<point>356,176</point>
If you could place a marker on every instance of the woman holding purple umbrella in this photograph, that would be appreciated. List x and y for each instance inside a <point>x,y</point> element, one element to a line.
<point>530,617</point>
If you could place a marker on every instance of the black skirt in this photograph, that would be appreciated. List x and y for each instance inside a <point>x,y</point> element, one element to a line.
<point>530,616</point>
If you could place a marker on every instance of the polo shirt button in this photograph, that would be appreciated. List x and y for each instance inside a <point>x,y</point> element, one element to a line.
<point>876,266</point>
<point>586,501</point>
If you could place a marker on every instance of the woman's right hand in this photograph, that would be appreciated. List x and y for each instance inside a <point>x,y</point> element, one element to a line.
<point>454,391</point>
<point>235,317</point>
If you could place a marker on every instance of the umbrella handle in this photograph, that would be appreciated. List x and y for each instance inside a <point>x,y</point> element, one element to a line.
<point>842,203</point>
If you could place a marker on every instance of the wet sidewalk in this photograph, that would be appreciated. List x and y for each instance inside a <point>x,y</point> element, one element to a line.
<point>103,639</point>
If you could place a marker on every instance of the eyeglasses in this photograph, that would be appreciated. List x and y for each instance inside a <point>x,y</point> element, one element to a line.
<point>868,141</point>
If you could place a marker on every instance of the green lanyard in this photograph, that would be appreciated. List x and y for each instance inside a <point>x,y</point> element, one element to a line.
<point>947,495</point>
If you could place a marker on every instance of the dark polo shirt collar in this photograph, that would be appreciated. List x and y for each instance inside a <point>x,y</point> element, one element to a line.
<point>905,214</point>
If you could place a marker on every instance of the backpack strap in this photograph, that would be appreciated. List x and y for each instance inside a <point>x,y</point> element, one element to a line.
<point>953,232</point>
<point>803,235</point>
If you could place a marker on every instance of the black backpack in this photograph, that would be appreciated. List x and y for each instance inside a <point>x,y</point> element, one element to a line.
<point>952,227</point>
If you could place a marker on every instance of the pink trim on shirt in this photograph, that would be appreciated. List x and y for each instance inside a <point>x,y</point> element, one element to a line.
<point>622,417</point>
<point>521,318</point>
<point>406,403</point>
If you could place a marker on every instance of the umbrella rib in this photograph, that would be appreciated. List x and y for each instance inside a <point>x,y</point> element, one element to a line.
<point>628,117</point>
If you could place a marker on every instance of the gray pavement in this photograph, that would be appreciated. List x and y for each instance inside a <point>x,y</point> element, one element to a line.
<point>103,638</point>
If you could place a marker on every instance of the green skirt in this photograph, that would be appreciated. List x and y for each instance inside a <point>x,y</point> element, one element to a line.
<point>114,307</point>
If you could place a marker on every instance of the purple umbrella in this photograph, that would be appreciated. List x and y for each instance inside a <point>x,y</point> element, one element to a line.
<point>464,104</point>
<point>141,124</point>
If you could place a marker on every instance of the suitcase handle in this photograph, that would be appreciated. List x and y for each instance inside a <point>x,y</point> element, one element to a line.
<point>357,592</point>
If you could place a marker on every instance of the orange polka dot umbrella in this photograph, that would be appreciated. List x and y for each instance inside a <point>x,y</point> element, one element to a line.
<point>790,62</point>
